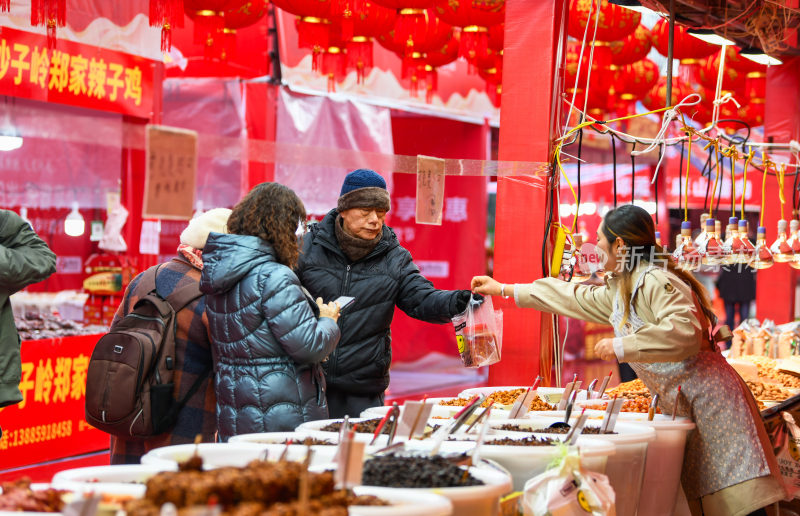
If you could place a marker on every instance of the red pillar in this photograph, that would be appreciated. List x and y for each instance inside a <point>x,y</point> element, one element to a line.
<point>526,133</point>
<point>260,112</point>
<point>775,286</point>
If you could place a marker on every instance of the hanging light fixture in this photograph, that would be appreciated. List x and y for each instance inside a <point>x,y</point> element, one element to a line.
<point>709,36</point>
<point>762,257</point>
<point>731,235</point>
<point>781,250</point>
<point>757,55</point>
<point>633,5</point>
<point>794,241</point>
<point>711,248</point>
<point>685,253</point>
<point>74,224</point>
<point>743,248</point>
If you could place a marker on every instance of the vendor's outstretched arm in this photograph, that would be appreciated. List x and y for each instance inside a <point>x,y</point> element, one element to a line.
<point>553,295</point>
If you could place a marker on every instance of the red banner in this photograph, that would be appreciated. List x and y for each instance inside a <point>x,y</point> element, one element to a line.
<point>49,423</point>
<point>75,74</point>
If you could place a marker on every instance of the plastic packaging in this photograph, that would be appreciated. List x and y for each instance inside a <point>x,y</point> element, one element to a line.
<point>479,333</point>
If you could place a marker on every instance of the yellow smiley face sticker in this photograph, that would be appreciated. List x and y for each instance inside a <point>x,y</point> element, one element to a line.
<point>462,343</point>
<point>583,502</point>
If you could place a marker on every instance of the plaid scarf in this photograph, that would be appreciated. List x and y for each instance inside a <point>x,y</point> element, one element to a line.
<point>195,256</point>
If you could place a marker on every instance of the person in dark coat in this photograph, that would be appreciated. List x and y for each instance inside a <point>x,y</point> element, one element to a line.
<point>24,259</point>
<point>266,338</point>
<point>192,344</point>
<point>352,252</point>
<point>737,288</point>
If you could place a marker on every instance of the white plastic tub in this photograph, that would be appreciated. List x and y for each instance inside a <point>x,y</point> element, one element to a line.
<point>625,469</point>
<point>551,395</point>
<point>404,502</point>
<point>312,429</point>
<point>469,500</point>
<point>215,455</point>
<point>525,462</point>
<point>438,412</point>
<point>117,480</point>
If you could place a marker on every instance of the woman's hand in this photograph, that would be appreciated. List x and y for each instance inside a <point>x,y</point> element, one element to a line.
<point>328,309</point>
<point>487,286</point>
<point>604,349</point>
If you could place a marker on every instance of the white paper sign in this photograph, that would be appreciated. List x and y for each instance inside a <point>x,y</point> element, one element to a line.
<point>430,190</point>
<point>413,418</point>
<point>349,464</point>
<point>523,403</point>
<point>148,242</point>
<point>610,416</point>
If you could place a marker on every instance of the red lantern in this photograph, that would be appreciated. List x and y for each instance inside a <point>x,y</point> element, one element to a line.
<point>166,14</point>
<point>436,58</point>
<point>614,24</point>
<point>474,18</point>
<point>5,6</point>
<point>389,42</point>
<point>754,113</point>
<point>571,63</point>
<point>656,98</point>
<point>744,65</point>
<point>207,16</point>
<point>632,48</point>
<point>636,79</point>
<point>313,24</point>
<point>732,79</point>
<point>421,33</point>
<point>411,14</point>
<point>755,85</point>
<point>685,46</point>
<point>334,66</point>
<point>243,13</point>
<point>371,21</point>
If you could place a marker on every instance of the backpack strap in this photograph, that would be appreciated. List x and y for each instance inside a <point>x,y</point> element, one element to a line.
<point>184,295</point>
<point>148,281</point>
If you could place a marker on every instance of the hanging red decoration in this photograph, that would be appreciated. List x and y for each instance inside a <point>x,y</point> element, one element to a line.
<point>614,24</point>
<point>313,24</point>
<point>208,24</point>
<point>167,14</point>
<point>632,47</point>
<point>421,33</point>
<point>371,21</point>
<point>754,113</point>
<point>732,79</point>
<point>656,98</point>
<point>5,6</point>
<point>635,80</point>
<point>334,65</point>
<point>685,46</point>
<point>571,64</point>
<point>436,58</point>
<point>474,18</point>
<point>410,13</point>
<point>497,37</point>
<point>755,85</point>
<point>51,13</point>
<point>243,13</point>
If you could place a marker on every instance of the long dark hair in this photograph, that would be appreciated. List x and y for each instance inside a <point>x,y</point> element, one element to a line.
<point>635,227</point>
<point>271,212</point>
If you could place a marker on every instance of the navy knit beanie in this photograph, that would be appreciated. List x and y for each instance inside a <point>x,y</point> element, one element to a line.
<point>363,188</point>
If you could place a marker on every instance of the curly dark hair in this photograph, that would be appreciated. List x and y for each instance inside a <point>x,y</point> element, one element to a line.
<point>271,212</point>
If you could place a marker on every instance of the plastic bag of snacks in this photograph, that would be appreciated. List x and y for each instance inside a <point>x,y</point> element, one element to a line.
<point>784,434</point>
<point>569,490</point>
<point>479,333</point>
<point>743,337</point>
<point>788,340</point>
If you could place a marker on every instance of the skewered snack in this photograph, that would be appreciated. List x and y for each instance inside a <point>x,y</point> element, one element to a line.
<point>547,430</point>
<point>18,496</point>
<point>415,471</point>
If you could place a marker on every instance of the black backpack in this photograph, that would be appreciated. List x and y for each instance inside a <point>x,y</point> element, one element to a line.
<point>129,383</point>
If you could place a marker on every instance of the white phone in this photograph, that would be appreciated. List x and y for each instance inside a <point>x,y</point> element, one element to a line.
<point>343,301</point>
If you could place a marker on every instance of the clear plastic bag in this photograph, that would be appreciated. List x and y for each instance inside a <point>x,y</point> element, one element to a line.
<point>479,333</point>
<point>569,490</point>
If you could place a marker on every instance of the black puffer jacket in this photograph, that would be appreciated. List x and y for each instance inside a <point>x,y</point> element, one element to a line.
<point>384,278</point>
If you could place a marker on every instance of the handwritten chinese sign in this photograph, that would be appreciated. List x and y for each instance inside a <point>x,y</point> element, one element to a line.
<point>430,190</point>
<point>48,423</point>
<point>75,74</point>
<point>171,172</point>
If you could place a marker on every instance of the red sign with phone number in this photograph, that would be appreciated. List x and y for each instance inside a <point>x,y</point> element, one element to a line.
<point>49,422</point>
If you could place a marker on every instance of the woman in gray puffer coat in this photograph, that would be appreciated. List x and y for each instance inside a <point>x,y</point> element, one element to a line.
<point>267,341</point>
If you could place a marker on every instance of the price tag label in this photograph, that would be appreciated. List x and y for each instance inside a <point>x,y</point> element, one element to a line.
<point>349,463</point>
<point>430,190</point>
<point>413,419</point>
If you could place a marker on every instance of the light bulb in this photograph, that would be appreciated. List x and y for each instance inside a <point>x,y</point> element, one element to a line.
<point>659,244</point>
<point>711,248</point>
<point>10,142</point>
<point>685,253</point>
<point>762,257</point>
<point>709,36</point>
<point>731,236</point>
<point>74,224</point>
<point>794,241</point>
<point>743,248</point>
<point>781,249</point>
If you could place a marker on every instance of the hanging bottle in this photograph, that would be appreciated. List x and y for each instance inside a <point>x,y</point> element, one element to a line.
<point>794,241</point>
<point>703,236</point>
<point>728,245</point>
<point>659,244</point>
<point>580,267</point>
<point>743,248</point>
<point>762,257</point>
<point>685,253</point>
<point>781,249</point>
<point>711,249</point>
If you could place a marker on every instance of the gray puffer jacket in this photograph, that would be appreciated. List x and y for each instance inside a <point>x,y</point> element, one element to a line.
<point>267,342</point>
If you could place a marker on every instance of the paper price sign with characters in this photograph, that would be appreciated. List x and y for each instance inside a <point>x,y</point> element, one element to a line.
<point>48,423</point>
<point>430,190</point>
<point>169,184</point>
<point>75,74</point>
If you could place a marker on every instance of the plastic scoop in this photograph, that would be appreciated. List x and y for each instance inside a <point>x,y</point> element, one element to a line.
<point>570,403</point>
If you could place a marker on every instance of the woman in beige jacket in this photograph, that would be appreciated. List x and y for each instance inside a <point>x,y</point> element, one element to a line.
<point>663,323</point>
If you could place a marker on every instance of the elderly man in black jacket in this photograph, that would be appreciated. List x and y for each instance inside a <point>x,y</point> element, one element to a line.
<point>353,253</point>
